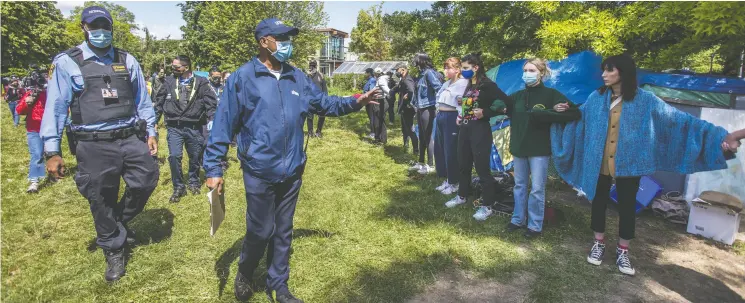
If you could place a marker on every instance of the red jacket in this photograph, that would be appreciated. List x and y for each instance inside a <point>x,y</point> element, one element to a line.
<point>33,115</point>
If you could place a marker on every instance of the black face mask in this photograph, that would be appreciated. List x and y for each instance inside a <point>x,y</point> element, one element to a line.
<point>216,80</point>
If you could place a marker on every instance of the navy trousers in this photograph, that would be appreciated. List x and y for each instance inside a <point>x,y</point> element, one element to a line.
<point>193,138</point>
<point>446,147</point>
<point>269,214</point>
<point>101,164</point>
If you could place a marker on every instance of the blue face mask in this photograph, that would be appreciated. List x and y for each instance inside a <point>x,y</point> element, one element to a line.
<point>467,74</point>
<point>530,78</point>
<point>100,38</point>
<point>284,50</point>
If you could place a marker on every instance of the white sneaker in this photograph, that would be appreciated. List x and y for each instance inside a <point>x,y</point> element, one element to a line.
<point>482,213</point>
<point>33,187</point>
<point>623,262</point>
<point>426,169</point>
<point>455,202</point>
<point>442,186</point>
<point>451,189</point>
<point>415,167</point>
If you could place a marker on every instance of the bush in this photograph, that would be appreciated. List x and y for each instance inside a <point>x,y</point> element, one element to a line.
<point>345,82</point>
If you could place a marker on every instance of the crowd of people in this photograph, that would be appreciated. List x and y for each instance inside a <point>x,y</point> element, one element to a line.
<point>110,110</point>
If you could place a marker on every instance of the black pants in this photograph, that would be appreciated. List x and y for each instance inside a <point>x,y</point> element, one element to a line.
<point>378,122</point>
<point>269,214</point>
<point>407,125</point>
<point>426,118</point>
<point>626,189</point>
<point>370,117</point>
<point>474,149</point>
<point>321,120</point>
<point>192,138</point>
<point>392,108</point>
<point>101,164</point>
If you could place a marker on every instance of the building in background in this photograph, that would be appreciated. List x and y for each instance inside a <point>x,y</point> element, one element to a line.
<point>333,52</point>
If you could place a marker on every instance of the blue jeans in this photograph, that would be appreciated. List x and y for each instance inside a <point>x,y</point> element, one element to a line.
<point>16,117</point>
<point>36,169</point>
<point>192,138</point>
<point>535,168</point>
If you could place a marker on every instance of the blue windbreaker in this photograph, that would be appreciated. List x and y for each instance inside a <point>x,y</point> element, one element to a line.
<point>269,115</point>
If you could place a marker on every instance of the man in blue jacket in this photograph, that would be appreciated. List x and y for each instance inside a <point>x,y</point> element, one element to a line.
<point>266,101</point>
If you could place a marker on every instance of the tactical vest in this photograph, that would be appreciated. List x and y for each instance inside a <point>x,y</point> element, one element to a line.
<point>95,102</point>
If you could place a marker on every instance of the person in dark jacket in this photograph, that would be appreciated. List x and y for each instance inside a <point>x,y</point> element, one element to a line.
<point>266,101</point>
<point>319,81</point>
<point>12,96</point>
<point>369,85</point>
<point>405,89</point>
<point>187,102</point>
<point>474,136</point>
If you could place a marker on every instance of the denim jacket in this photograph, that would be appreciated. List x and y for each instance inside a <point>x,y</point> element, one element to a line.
<point>427,88</point>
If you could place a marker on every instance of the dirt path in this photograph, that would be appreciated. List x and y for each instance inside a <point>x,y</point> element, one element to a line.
<point>672,266</point>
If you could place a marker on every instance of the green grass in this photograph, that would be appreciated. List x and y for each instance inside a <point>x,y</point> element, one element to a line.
<point>365,232</point>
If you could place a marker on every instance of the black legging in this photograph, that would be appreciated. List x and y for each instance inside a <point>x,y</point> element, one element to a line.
<point>474,149</point>
<point>626,189</point>
<point>407,123</point>
<point>392,108</point>
<point>426,118</point>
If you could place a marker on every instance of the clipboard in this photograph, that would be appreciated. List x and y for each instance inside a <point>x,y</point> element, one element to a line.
<point>217,210</point>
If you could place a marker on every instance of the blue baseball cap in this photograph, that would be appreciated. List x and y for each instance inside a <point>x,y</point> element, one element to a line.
<point>94,12</point>
<point>274,27</point>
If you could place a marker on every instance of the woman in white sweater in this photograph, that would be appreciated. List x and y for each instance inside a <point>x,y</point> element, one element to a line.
<point>446,134</point>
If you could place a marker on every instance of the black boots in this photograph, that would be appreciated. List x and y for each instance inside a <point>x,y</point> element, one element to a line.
<point>242,285</point>
<point>114,264</point>
<point>177,194</point>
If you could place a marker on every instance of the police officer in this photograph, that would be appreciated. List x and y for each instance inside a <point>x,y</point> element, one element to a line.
<point>319,81</point>
<point>188,104</point>
<point>105,92</point>
<point>267,100</point>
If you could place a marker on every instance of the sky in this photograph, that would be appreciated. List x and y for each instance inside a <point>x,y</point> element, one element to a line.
<point>163,18</point>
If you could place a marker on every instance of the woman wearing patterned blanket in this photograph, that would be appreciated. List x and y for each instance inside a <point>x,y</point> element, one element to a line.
<point>626,132</point>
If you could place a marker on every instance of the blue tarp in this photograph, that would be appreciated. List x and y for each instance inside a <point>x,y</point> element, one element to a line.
<point>575,77</point>
<point>579,74</point>
<point>702,83</point>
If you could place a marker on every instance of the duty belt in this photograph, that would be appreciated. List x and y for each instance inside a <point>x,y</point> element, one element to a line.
<point>105,135</point>
<point>188,124</point>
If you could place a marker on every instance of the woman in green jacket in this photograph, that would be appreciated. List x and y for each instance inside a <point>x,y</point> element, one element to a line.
<point>531,111</point>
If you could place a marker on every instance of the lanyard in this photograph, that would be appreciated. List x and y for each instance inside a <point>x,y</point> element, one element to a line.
<point>217,92</point>
<point>191,95</point>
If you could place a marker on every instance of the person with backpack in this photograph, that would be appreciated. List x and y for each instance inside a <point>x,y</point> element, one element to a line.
<point>425,100</point>
<point>32,106</point>
<point>405,89</point>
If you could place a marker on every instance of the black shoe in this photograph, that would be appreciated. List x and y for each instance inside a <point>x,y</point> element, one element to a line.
<point>319,135</point>
<point>131,235</point>
<point>177,194</point>
<point>195,189</point>
<point>530,234</point>
<point>114,264</point>
<point>288,298</point>
<point>242,286</point>
<point>512,227</point>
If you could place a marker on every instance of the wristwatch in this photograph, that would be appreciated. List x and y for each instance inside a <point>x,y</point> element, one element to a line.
<point>48,155</point>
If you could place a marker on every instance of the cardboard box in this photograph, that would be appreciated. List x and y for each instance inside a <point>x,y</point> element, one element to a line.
<point>719,223</point>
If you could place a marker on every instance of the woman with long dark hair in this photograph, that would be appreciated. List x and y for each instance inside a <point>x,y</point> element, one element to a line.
<point>475,137</point>
<point>425,100</point>
<point>626,132</point>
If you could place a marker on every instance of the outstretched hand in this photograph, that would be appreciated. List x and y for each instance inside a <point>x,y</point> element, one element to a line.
<point>730,144</point>
<point>368,97</point>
